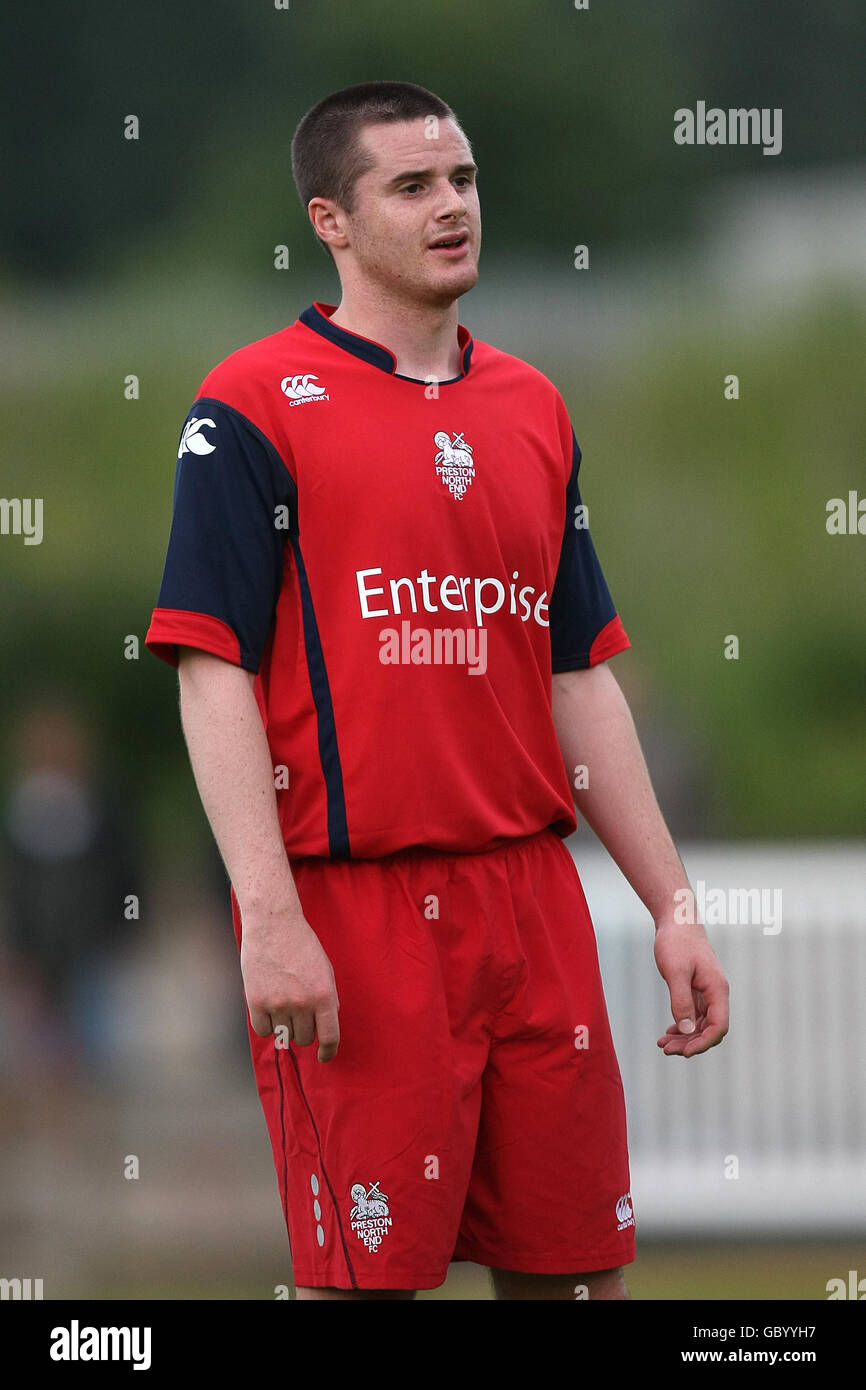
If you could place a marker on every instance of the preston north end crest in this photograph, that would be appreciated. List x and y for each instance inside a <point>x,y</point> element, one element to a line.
<point>454,462</point>
<point>370,1216</point>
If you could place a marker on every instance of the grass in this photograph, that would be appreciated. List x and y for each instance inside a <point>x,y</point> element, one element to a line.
<point>707,1270</point>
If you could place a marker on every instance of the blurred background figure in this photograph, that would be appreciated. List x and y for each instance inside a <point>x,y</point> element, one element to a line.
<point>70,881</point>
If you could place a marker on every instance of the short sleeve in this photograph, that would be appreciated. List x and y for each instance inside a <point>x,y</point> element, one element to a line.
<point>234,507</point>
<point>584,625</point>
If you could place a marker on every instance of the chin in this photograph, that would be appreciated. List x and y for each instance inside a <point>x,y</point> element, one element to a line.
<point>450,287</point>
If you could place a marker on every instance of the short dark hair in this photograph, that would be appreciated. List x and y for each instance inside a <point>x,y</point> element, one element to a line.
<point>327,155</point>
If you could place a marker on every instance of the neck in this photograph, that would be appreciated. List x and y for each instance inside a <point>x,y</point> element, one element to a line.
<point>422,337</point>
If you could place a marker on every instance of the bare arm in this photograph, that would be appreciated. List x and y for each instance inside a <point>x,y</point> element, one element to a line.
<point>595,729</point>
<point>287,976</point>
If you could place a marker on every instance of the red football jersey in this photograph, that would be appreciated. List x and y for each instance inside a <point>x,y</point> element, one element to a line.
<point>404,567</point>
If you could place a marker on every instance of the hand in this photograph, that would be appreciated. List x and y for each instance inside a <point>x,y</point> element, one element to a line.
<point>288,980</point>
<point>698,988</point>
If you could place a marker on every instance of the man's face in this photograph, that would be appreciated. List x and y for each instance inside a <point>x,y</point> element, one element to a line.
<point>420,191</point>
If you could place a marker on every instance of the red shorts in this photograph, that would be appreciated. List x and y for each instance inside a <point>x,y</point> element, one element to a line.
<point>474,1109</point>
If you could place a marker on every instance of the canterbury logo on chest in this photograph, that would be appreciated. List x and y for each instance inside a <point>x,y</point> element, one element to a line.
<point>303,387</point>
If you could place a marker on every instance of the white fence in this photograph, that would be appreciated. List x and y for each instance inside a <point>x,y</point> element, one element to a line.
<point>767,1132</point>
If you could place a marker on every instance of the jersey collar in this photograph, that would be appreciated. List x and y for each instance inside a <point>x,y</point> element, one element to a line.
<point>318,317</point>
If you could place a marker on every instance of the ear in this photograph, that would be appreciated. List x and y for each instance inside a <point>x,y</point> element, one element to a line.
<point>329,221</point>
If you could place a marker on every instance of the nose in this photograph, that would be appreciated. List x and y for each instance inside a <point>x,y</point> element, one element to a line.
<point>452,203</point>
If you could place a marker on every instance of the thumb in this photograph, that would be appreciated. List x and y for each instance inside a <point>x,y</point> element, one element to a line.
<point>682,1003</point>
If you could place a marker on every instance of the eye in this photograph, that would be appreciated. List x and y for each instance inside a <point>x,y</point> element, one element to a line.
<point>409,186</point>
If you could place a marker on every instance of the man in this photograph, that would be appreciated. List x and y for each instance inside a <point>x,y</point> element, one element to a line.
<point>392,633</point>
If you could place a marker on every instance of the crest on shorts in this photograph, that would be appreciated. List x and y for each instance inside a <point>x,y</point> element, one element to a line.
<point>371,1215</point>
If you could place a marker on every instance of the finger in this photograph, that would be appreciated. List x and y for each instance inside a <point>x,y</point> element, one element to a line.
<point>694,1046</point>
<point>261,1021</point>
<point>671,1031</point>
<point>710,1034</point>
<point>678,1046</point>
<point>676,1040</point>
<point>328,1029</point>
<point>283,1030</point>
<point>304,1024</point>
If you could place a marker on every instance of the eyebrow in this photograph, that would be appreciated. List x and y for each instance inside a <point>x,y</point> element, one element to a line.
<point>426,173</point>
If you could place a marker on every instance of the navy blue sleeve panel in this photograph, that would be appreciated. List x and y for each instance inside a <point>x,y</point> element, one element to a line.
<point>584,625</point>
<point>234,506</point>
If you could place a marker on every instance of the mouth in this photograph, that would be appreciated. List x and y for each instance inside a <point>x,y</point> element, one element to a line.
<point>451,247</point>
